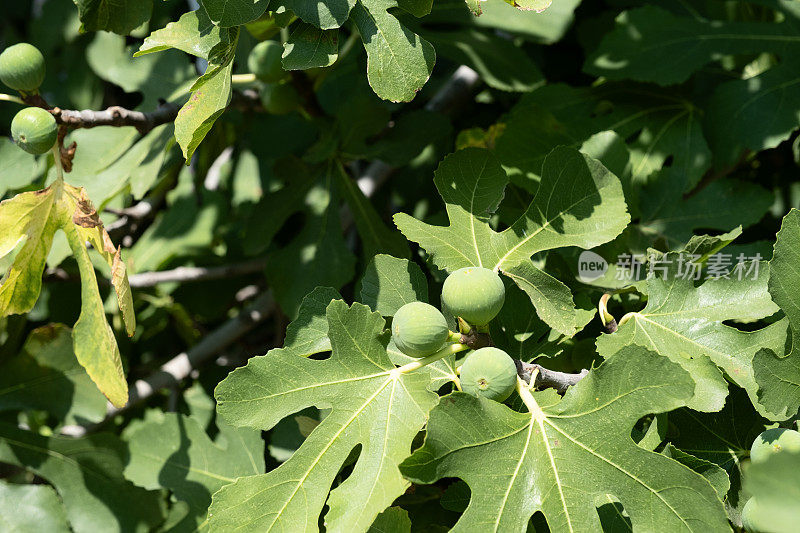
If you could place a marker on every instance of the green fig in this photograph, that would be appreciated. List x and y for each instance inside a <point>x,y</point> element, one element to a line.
<point>22,67</point>
<point>489,373</point>
<point>773,441</point>
<point>265,61</point>
<point>279,98</point>
<point>419,329</point>
<point>34,130</point>
<point>476,294</point>
<point>753,519</point>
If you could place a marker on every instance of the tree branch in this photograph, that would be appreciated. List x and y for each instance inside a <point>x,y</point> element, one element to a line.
<point>117,116</point>
<point>184,274</point>
<point>179,367</point>
<point>548,379</point>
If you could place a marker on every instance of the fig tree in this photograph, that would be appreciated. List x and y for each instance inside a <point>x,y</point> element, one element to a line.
<point>419,329</point>
<point>773,441</point>
<point>476,294</point>
<point>22,67</point>
<point>34,130</point>
<point>265,61</point>
<point>279,98</point>
<point>490,373</point>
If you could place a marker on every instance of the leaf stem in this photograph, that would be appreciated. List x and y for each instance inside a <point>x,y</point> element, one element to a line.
<point>528,400</point>
<point>444,352</point>
<point>626,317</point>
<point>11,98</point>
<point>57,159</point>
<point>243,79</point>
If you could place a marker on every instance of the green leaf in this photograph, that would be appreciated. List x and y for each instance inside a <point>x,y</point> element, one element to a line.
<point>775,484</point>
<point>684,323</point>
<point>46,375</point>
<point>376,236</point>
<point>309,47</point>
<point>157,77</point>
<point>777,368</point>
<point>228,13</point>
<point>193,33</point>
<point>87,474</point>
<point>722,438</point>
<point>713,473</point>
<point>280,204</point>
<point>372,405</point>
<point>17,168</point>
<point>31,219</point>
<point>181,229</point>
<point>546,27</point>
<point>562,454</point>
<point>500,63</point>
<point>324,14</point>
<point>722,205</point>
<point>656,125</point>
<point>389,283</point>
<point>392,520</point>
<point>755,114</point>
<point>308,333</point>
<point>119,16</point>
<point>589,212</point>
<point>317,256</point>
<point>205,105</point>
<point>29,508</point>
<point>175,453</point>
<point>399,62</point>
<point>644,36</point>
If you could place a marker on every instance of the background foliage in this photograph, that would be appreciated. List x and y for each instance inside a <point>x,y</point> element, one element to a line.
<point>417,138</point>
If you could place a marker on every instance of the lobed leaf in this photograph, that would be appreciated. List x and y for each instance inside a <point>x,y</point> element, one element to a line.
<point>578,203</point>
<point>563,456</point>
<point>371,406</point>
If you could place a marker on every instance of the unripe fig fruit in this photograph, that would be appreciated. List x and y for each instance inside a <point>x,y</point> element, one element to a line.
<point>265,61</point>
<point>22,67</point>
<point>279,98</point>
<point>773,441</point>
<point>490,373</point>
<point>753,519</point>
<point>419,329</point>
<point>34,130</point>
<point>476,294</point>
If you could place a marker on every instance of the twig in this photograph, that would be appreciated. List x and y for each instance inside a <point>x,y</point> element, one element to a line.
<point>548,379</point>
<point>176,275</point>
<point>180,366</point>
<point>185,274</point>
<point>116,116</point>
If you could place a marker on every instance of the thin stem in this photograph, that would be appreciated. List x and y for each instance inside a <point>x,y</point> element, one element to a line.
<point>527,399</point>
<point>450,349</point>
<point>57,158</point>
<point>11,98</point>
<point>626,317</point>
<point>243,79</point>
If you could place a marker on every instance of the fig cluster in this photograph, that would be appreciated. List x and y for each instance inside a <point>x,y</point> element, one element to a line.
<point>475,295</point>
<point>768,443</point>
<point>22,68</point>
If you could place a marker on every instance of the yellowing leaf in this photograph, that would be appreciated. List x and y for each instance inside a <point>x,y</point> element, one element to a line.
<point>30,220</point>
